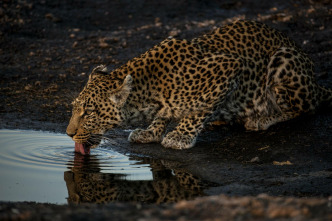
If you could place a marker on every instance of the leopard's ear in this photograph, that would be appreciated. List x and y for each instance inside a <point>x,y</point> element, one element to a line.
<point>120,95</point>
<point>97,71</point>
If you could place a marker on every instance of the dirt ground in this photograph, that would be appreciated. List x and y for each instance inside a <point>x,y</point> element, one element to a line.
<point>47,49</point>
<point>222,208</point>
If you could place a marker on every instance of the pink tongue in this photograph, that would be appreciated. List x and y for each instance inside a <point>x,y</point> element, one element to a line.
<point>81,148</point>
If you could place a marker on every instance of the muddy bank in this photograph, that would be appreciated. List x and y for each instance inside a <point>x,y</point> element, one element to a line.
<point>217,207</point>
<point>47,49</point>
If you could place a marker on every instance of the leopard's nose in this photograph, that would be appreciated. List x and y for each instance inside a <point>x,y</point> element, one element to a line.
<point>71,134</point>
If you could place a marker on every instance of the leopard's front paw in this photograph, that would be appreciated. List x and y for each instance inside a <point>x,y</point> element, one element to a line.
<point>258,124</point>
<point>176,140</point>
<point>252,125</point>
<point>143,136</point>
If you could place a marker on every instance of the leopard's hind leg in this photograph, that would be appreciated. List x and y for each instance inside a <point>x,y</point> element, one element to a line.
<point>290,88</point>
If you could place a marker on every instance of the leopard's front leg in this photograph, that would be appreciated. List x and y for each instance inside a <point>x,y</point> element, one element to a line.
<point>185,134</point>
<point>154,133</point>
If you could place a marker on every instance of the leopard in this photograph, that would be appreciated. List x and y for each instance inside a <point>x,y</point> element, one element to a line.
<point>245,72</point>
<point>87,184</point>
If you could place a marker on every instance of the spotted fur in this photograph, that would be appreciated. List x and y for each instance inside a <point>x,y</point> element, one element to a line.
<point>245,72</point>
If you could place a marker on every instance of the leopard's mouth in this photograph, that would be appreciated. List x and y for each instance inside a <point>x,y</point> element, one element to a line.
<point>85,147</point>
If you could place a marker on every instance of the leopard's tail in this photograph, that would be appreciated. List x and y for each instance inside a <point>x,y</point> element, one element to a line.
<point>324,97</point>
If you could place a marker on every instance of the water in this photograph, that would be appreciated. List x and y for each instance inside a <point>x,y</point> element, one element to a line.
<point>43,167</point>
<point>33,164</point>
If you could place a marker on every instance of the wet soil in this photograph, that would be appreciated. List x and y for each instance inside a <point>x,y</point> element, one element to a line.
<point>47,49</point>
<point>221,208</point>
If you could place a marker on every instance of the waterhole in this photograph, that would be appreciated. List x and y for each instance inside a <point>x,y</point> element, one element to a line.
<point>43,167</point>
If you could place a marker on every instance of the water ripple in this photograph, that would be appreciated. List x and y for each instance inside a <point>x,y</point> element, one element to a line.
<point>55,152</point>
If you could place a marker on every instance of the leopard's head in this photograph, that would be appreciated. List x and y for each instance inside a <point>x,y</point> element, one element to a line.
<point>98,108</point>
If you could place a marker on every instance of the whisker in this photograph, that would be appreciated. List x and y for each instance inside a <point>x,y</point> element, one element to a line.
<point>96,138</point>
<point>72,95</point>
<point>111,141</point>
<point>89,143</point>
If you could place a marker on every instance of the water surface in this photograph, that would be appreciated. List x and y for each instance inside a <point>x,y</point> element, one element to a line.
<point>33,164</point>
<point>43,167</point>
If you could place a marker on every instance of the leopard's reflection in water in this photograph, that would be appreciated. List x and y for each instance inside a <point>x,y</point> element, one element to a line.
<point>87,184</point>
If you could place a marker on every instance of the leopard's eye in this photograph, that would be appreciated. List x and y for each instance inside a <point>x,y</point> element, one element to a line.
<point>88,111</point>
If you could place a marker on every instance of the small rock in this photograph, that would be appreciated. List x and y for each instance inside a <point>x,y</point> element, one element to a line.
<point>282,163</point>
<point>74,44</point>
<point>174,32</point>
<point>274,9</point>
<point>28,87</point>
<point>254,160</point>
<point>103,45</point>
<point>305,42</point>
<point>124,44</point>
<point>157,22</point>
<point>51,17</point>
<point>264,148</point>
<point>62,76</point>
<point>37,83</point>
